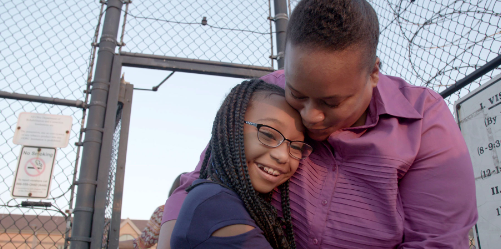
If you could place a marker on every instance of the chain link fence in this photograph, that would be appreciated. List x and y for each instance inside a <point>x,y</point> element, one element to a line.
<point>224,31</point>
<point>48,49</point>
<point>112,179</point>
<point>46,52</point>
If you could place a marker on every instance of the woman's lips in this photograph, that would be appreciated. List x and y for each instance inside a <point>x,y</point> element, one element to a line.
<point>317,131</point>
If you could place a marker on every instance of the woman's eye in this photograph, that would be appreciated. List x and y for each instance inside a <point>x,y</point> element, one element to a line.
<point>331,105</point>
<point>296,97</point>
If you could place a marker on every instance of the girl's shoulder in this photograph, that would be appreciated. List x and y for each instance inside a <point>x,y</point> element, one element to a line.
<point>206,189</point>
<point>215,201</point>
<point>207,208</point>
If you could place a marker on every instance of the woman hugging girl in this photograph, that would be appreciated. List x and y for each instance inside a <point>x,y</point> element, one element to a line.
<point>256,145</point>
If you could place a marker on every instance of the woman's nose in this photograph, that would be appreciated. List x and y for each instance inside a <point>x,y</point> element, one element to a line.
<point>311,114</point>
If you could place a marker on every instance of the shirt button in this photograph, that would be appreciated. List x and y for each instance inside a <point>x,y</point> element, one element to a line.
<point>324,202</point>
<point>315,241</point>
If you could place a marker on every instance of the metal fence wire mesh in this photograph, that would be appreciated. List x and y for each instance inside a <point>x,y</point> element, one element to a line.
<point>111,178</point>
<point>235,31</point>
<point>28,226</point>
<point>436,43</point>
<point>45,50</point>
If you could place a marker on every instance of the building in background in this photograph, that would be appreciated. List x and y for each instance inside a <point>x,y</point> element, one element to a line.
<point>32,231</point>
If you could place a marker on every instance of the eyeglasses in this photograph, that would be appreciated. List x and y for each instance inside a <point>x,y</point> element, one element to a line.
<point>271,137</point>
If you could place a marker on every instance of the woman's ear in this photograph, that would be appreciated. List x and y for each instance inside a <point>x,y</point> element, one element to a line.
<point>374,74</point>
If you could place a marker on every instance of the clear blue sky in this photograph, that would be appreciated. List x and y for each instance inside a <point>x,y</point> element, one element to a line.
<point>169,128</point>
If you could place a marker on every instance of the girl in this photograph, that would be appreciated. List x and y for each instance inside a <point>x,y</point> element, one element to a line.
<point>256,145</point>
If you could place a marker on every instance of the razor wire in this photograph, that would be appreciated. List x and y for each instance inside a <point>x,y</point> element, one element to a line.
<point>46,50</point>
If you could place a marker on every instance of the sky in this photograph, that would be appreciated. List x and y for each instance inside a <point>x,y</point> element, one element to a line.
<point>168,131</point>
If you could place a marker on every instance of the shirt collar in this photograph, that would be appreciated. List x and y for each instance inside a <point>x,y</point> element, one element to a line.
<point>390,100</point>
<point>387,98</point>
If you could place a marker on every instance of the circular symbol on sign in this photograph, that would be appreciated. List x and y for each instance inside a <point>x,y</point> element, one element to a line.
<point>34,167</point>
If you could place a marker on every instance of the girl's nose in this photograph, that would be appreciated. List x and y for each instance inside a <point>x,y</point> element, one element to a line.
<point>281,153</point>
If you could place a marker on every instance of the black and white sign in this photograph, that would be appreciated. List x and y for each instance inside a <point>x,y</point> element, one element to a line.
<point>45,130</point>
<point>34,173</point>
<point>479,117</point>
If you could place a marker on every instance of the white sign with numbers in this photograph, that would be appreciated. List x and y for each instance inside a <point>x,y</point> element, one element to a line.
<point>479,118</point>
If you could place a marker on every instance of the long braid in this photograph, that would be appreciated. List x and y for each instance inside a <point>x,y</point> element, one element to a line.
<point>286,212</point>
<point>225,159</point>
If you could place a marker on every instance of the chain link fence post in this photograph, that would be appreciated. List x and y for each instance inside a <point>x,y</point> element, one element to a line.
<point>281,20</point>
<point>94,132</point>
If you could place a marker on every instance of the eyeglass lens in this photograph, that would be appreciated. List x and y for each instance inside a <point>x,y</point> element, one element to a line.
<point>272,138</point>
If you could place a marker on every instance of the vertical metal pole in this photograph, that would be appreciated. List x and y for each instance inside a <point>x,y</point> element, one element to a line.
<point>281,20</point>
<point>126,100</point>
<point>84,206</point>
<point>100,201</point>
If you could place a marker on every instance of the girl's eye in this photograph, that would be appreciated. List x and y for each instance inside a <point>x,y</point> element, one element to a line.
<point>266,135</point>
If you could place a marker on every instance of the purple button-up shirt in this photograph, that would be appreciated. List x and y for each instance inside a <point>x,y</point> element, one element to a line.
<point>403,180</point>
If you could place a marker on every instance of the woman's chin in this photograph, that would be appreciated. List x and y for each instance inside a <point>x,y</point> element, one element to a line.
<point>318,136</point>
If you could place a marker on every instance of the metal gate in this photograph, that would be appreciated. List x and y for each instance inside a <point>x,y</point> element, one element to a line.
<point>48,65</point>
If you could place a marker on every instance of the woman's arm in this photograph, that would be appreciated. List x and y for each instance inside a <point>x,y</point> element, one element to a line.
<point>438,190</point>
<point>165,234</point>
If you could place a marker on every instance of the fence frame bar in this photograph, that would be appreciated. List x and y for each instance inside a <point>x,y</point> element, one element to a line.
<point>281,20</point>
<point>84,205</point>
<point>193,65</point>
<point>41,99</point>
<point>126,99</point>
<point>105,158</point>
<point>494,63</point>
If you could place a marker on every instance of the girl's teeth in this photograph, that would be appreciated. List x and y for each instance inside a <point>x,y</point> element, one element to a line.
<point>270,171</point>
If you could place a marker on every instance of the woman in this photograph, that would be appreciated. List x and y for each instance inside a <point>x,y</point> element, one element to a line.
<point>390,168</point>
<point>256,146</point>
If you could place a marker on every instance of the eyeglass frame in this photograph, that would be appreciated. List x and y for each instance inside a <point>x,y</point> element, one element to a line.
<point>258,126</point>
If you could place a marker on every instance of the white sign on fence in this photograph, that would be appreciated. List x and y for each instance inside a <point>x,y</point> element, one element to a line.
<point>34,173</point>
<point>45,130</point>
<point>479,117</point>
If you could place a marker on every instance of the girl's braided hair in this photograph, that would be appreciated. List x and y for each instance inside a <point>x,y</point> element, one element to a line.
<point>225,162</point>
